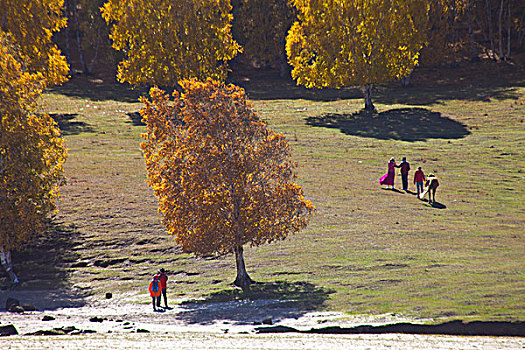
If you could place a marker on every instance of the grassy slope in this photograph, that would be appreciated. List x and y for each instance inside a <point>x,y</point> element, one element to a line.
<point>368,250</point>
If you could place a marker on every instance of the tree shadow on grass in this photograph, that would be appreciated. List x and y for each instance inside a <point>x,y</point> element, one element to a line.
<point>482,81</point>
<point>99,90</point>
<point>405,124</point>
<point>458,327</point>
<point>275,300</point>
<point>265,84</point>
<point>136,119</point>
<point>42,269</point>
<point>68,125</point>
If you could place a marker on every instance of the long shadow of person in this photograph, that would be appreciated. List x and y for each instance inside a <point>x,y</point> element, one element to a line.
<point>438,205</point>
<point>392,189</point>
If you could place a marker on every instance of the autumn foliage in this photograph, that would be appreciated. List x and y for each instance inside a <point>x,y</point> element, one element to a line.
<point>223,178</point>
<point>30,24</point>
<point>338,43</point>
<point>164,41</point>
<point>31,153</point>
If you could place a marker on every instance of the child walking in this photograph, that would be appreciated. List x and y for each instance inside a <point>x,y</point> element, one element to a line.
<point>419,179</point>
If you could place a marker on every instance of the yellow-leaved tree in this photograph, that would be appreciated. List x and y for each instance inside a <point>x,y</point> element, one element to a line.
<point>164,41</point>
<point>31,155</point>
<point>30,24</point>
<point>338,43</point>
<point>223,178</point>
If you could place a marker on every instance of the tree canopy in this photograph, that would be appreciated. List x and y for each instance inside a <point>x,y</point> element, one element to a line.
<point>339,43</point>
<point>223,178</point>
<point>31,153</point>
<point>164,41</point>
<point>30,24</point>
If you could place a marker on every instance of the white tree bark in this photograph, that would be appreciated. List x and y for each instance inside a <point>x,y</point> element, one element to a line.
<point>8,264</point>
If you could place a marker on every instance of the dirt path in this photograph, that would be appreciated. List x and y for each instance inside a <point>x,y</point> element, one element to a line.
<point>122,324</point>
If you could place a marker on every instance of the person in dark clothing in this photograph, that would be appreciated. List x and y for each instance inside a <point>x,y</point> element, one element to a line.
<point>431,186</point>
<point>405,168</point>
<point>163,287</point>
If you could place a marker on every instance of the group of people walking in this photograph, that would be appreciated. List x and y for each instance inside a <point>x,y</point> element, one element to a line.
<point>157,287</point>
<point>430,181</point>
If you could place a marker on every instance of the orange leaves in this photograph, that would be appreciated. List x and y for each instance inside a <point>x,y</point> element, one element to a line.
<point>223,179</point>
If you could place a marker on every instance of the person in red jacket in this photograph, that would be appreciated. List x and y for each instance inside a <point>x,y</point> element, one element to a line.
<point>154,291</point>
<point>163,278</point>
<point>419,179</point>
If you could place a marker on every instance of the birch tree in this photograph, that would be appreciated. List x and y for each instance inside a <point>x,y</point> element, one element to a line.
<point>222,177</point>
<point>164,41</point>
<point>31,156</point>
<point>338,43</point>
<point>30,24</point>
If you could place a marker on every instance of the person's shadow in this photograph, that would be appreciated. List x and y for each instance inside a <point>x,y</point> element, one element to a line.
<point>436,205</point>
<point>392,189</point>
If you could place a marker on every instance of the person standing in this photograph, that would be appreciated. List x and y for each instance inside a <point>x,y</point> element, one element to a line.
<point>388,178</point>
<point>405,168</point>
<point>154,291</point>
<point>163,278</point>
<point>419,179</point>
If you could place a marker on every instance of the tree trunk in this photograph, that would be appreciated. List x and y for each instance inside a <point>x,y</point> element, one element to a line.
<point>95,56</point>
<point>500,31</point>
<point>8,264</point>
<point>85,69</point>
<point>509,22</point>
<point>488,11</point>
<point>473,50</point>
<point>68,49</point>
<point>405,81</point>
<point>367,92</point>
<point>243,280</point>
<point>283,67</point>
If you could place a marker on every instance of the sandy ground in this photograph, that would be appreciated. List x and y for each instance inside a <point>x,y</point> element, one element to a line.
<point>229,325</point>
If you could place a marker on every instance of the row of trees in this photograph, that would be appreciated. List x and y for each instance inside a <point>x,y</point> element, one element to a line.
<point>455,29</point>
<point>31,150</point>
<point>223,178</point>
<point>331,43</point>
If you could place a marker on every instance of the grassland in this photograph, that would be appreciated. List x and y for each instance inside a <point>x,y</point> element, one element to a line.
<point>367,250</point>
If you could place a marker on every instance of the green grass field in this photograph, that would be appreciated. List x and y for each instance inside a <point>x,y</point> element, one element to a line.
<point>367,250</point>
